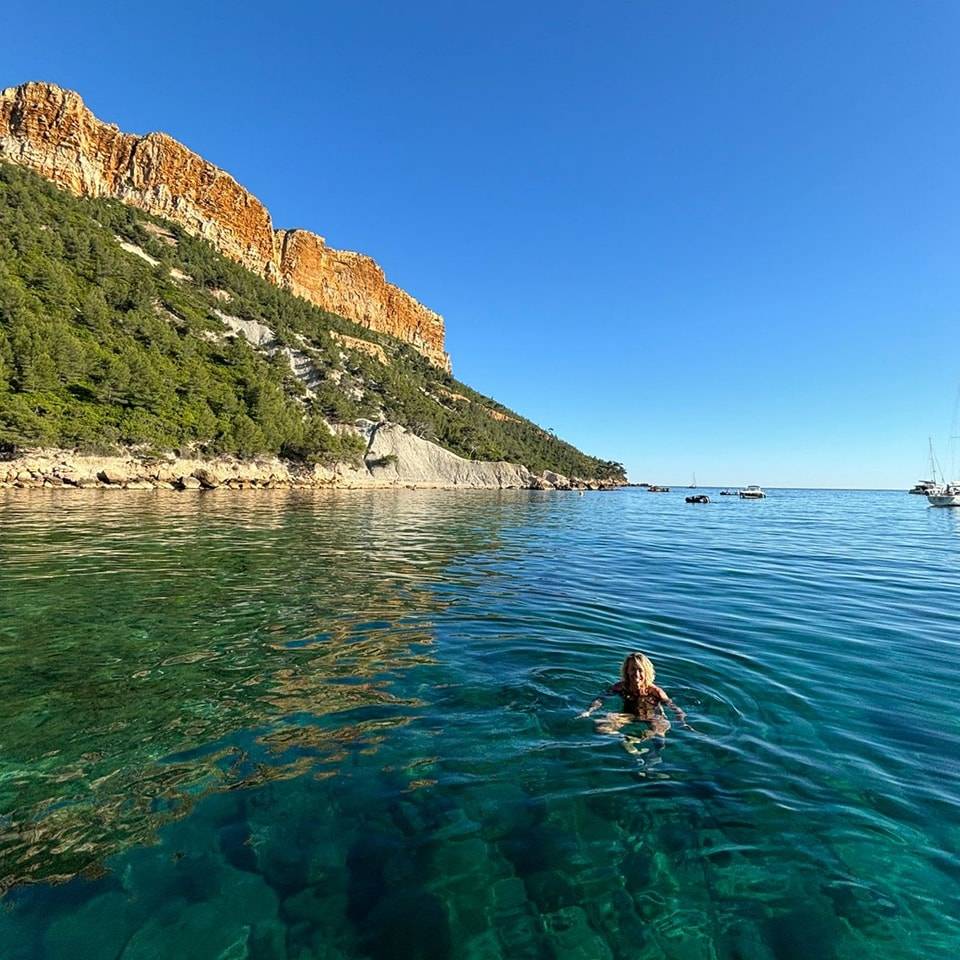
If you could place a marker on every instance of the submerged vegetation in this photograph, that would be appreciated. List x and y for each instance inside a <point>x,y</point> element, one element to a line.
<point>119,329</point>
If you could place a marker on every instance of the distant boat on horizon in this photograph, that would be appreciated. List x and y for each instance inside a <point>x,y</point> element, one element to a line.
<point>941,493</point>
<point>927,487</point>
<point>693,486</point>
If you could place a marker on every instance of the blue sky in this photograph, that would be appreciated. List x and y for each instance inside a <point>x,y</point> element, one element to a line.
<point>711,237</point>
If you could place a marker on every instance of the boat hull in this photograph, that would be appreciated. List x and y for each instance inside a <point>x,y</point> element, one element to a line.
<point>944,499</point>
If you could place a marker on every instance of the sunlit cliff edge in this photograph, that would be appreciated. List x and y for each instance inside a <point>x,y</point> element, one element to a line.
<point>51,131</point>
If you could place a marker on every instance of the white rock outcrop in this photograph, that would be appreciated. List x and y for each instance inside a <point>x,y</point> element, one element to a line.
<point>395,456</point>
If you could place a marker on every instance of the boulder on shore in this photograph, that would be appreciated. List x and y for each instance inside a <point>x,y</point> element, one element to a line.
<point>112,476</point>
<point>557,480</point>
<point>207,478</point>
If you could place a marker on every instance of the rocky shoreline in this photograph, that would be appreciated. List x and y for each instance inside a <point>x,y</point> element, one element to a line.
<point>70,470</point>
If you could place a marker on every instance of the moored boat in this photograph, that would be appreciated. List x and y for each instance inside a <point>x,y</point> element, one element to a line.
<point>753,492</point>
<point>934,487</point>
<point>947,495</point>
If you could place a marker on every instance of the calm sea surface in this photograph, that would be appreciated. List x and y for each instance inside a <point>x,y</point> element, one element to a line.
<point>344,725</point>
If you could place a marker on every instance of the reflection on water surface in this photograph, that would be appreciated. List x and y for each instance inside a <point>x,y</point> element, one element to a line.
<point>343,724</point>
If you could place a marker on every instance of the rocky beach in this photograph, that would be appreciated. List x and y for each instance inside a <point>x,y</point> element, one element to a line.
<point>394,458</point>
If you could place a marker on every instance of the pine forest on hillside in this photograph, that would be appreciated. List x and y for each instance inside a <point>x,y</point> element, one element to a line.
<point>101,349</point>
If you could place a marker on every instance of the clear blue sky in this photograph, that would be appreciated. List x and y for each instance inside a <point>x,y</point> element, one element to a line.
<point>711,237</point>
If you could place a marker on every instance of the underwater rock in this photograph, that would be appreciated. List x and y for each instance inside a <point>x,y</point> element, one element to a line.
<point>802,933</point>
<point>314,905</point>
<point>408,923</point>
<point>197,934</point>
<point>509,894</point>
<point>551,890</point>
<point>521,936</point>
<point>97,930</point>
<point>218,926</point>
<point>745,940</point>
<point>483,946</point>
<point>573,938</point>
<point>234,842</point>
<point>268,941</point>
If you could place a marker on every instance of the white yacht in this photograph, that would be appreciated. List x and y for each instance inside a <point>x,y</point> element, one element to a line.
<point>753,492</point>
<point>926,487</point>
<point>947,495</point>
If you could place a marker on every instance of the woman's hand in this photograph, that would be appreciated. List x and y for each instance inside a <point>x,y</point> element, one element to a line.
<point>593,706</point>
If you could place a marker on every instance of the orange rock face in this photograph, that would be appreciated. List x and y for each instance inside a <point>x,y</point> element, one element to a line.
<point>354,286</point>
<point>52,132</point>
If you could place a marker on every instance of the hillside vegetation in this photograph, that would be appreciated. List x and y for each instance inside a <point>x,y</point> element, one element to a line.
<point>100,348</point>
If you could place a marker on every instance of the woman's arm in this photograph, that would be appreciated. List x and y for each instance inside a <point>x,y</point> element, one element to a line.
<point>665,698</point>
<point>598,703</point>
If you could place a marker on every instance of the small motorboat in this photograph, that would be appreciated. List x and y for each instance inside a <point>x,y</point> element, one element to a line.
<point>653,488</point>
<point>947,495</point>
<point>925,487</point>
<point>753,492</point>
<point>697,498</point>
<point>728,493</point>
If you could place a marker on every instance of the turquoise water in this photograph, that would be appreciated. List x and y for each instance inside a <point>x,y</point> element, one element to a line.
<point>344,725</point>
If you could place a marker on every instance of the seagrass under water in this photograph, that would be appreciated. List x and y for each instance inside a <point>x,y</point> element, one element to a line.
<point>344,725</point>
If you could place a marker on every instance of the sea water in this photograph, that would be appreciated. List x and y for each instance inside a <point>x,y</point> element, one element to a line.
<point>345,725</point>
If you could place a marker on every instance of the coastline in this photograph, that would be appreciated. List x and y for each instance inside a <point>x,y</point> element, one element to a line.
<point>58,469</point>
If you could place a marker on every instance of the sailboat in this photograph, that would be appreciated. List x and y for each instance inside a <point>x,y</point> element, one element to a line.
<point>927,487</point>
<point>942,494</point>
<point>947,496</point>
<point>693,486</point>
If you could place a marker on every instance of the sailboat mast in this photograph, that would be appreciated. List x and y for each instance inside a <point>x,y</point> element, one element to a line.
<point>936,474</point>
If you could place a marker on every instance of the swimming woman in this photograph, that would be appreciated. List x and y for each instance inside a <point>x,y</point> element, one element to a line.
<point>642,700</point>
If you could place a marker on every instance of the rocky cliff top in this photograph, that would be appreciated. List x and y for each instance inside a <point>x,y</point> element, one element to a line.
<point>51,131</point>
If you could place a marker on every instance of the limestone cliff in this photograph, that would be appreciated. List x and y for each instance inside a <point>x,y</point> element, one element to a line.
<point>354,286</point>
<point>51,131</point>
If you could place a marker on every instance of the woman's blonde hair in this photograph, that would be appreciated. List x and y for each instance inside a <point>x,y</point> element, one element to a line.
<point>645,665</point>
